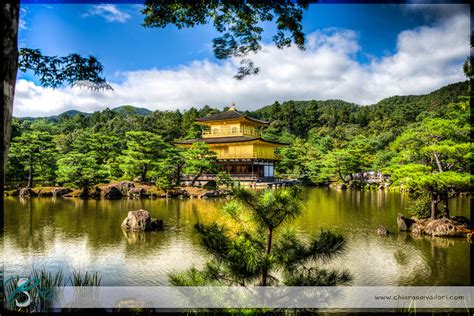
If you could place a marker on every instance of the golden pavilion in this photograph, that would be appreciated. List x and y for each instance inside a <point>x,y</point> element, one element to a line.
<point>236,139</point>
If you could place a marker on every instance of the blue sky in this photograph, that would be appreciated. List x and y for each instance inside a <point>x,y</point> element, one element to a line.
<point>361,36</point>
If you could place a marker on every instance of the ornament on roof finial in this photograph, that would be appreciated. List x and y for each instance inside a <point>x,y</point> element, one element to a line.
<point>232,108</point>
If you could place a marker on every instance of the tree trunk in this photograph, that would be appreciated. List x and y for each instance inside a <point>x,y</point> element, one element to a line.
<point>434,205</point>
<point>196,177</point>
<point>340,176</point>
<point>445,205</point>
<point>85,191</point>
<point>30,173</point>
<point>438,163</point>
<point>178,175</point>
<point>446,209</point>
<point>143,176</point>
<point>9,22</point>
<point>263,277</point>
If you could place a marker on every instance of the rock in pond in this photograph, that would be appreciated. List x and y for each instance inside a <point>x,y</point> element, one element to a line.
<point>112,192</point>
<point>61,191</point>
<point>125,187</point>
<point>404,224</point>
<point>177,193</point>
<point>137,193</point>
<point>382,231</point>
<point>140,220</point>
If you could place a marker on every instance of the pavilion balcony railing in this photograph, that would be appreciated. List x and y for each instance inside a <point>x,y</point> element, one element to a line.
<point>256,155</point>
<point>227,132</point>
<point>238,176</point>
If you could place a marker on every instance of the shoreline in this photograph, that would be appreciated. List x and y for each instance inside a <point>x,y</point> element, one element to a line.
<point>118,190</point>
<point>136,190</point>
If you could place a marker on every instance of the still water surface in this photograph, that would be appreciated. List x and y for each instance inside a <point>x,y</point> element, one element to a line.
<point>86,235</point>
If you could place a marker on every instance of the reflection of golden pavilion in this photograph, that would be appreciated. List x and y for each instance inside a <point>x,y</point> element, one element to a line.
<point>235,137</point>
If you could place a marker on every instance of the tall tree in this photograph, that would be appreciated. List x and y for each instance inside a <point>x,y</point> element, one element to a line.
<point>199,159</point>
<point>36,152</point>
<point>144,150</point>
<point>168,173</point>
<point>433,155</point>
<point>80,170</point>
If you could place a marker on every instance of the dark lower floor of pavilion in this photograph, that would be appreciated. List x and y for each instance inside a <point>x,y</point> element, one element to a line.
<point>247,168</point>
<point>242,170</point>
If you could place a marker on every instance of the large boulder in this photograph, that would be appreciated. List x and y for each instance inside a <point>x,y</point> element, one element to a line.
<point>112,192</point>
<point>27,192</point>
<point>404,224</point>
<point>141,220</point>
<point>61,191</point>
<point>177,193</point>
<point>125,186</point>
<point>137,193</point>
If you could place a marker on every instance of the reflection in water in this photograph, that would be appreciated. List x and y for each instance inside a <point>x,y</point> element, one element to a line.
<point>134,237</point>
<point>86,234</point>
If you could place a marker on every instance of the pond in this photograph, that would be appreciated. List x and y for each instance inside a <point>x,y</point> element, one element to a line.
<point>86,235</point>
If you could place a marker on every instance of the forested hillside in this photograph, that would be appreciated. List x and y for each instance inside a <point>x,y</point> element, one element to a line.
<point>327,140</point>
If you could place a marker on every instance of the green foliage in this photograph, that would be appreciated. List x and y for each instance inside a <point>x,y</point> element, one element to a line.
<point>169,168</point>
<point>80,170</point>
<point>85,279</point>
<point>35,153</point>
<point>250,247</point>
<point>223,178</point>
<point>199,158</point>
<point>293,161</point>
<point>53,71</point>
<point>420,206</point>
<point>144,149</point>
<point>433,155</point>
<point>239,23</point>
<point>191,277</point>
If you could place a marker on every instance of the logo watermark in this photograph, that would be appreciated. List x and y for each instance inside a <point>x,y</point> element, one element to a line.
<point>26,291</point>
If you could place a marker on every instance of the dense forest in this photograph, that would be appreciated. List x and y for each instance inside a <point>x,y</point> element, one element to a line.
<point>402,136</point>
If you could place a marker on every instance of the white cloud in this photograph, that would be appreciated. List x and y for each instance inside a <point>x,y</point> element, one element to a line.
<point>22,25</point>
<point>426,59</point>
<point>109,12</point>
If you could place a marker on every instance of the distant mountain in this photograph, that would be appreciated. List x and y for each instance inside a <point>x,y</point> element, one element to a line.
<point>72,113</point>
<point>124,109</point>
<point>130,109</point>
